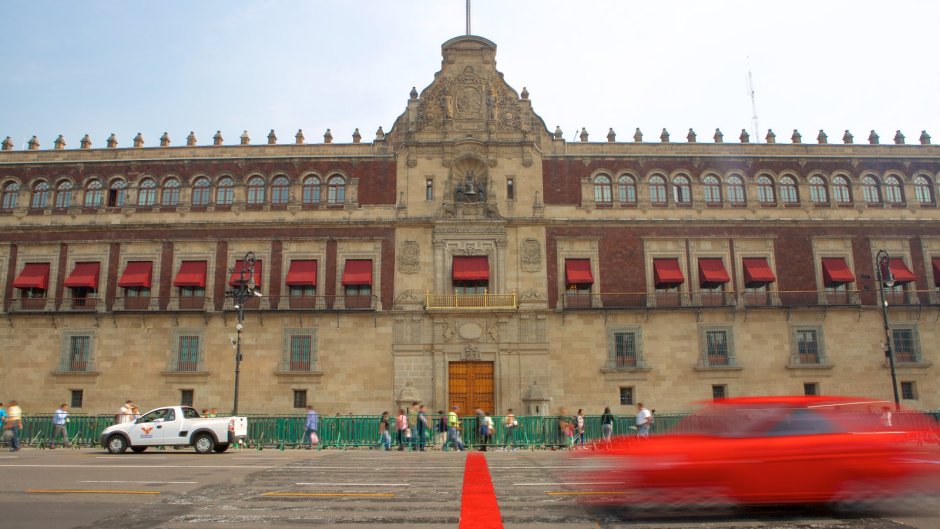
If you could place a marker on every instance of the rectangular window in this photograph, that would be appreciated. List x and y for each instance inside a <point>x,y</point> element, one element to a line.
<point>187,397</point>
<point>510,189</point>
<point>807,346</point>
<point>810,389</point>
<point>187,358</point>
<point>626,396</point>
<point>719,391</point>
<point>301,352</point>
<point>77,396</point>
<point>904,344</point>
<point>300,398</point>
<point>625,349</point>
<point>429,189</point>
<point>908,390</point>
<point>79,353</point>
<point>716,343</point>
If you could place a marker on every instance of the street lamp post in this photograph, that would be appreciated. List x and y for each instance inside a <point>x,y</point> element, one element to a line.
<point>243,290</point>
<point>886,279</point>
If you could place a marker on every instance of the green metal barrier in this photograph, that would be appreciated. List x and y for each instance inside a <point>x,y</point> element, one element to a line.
<point>83,430</point>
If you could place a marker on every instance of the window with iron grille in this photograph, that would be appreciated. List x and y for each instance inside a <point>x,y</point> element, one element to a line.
<point>625,348</point>
<point>187,397</point>
<point>810,389</point>
<point>905,345</point>
<point>77,347</point>
<point>77,397</point>
<point>300,398</point>
<point>626,396</point>
<point>300,350</point>
<point>807,346</point>
<point>717,347</point>
<point>719,391</point>
<point>909,390</point>
<point>187,351</point>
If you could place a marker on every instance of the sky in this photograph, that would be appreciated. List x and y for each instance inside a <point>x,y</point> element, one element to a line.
<point>175,66</point>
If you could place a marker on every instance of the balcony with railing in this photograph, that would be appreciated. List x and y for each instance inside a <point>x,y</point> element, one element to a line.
<point>484,301</point>
<point>137,304</point>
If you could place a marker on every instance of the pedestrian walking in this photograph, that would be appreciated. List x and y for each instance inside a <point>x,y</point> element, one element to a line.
<point>488,429</point>
<point>441,427</point>
<point>13,423</point>
<point>607,425</point>
<point>385,439</point>
<point>60,419</point>
<point>3,420</point>
<point>509,426</point>
<point>453,429</point>
<point>401,426</point>
<point>411,434</point>
<point>422,427</point>
<point>311,438</point>
<point>644,421</point>
<point>579,427</point>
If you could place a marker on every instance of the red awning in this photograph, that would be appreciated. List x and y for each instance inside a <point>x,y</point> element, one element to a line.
<point>34,275</point>
<point>666,273</point>
<point>902,274</point>
<point>84,275</point>
<point>712,273</point>
<point>357,272</point>
<point>475,268</point>
<point>302,272</point>
<point>836,272</point>
<point>936,271</point>
<point>757,272</point>
<point>578,272</point>
<point>237,273</point>
<point>136,274</point>
<point>191,274</point>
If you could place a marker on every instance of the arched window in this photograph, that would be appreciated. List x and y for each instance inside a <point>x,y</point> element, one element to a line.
<point>93,194</point>
<point>63,195</point>
<point>840,190</point>
<point>225,191</point>
<point>147,192</point>
<point>923,190</point>
<point>765,190</point>
<point>40,196</point>
<point>256,190</point>
<point>817,190</point>
<point>201,191</point>
<point>10,193</point>
<point>626,189</point>
<point>657,190</point>
<point>117,193</point>
<point>735,189</point>
<point>171,192</point>
<point>788,194</point>
<point>311,193</point>
<point>893,190</point>
<point>336,190</point>
<point>871,190</point>
<point>602,190</point>
<point>280,190</point>
<point>682,190</point>
<point>712,189</point>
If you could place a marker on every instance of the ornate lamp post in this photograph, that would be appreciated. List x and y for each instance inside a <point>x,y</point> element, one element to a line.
<point>886,279</point>
<point>243,290</point>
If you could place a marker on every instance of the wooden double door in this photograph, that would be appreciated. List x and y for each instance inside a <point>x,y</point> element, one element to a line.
<point>470,386</point>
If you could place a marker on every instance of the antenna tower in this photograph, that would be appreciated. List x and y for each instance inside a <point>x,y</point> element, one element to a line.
<point>750,91</point>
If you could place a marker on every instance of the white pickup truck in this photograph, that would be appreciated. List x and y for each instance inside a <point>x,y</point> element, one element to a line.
<point>175,426</point>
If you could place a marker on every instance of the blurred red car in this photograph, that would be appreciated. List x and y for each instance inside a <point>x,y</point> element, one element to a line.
<point>771,450</point>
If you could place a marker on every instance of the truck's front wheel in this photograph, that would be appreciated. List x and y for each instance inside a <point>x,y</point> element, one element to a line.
<point>203,443</point>
<point>117,444</point>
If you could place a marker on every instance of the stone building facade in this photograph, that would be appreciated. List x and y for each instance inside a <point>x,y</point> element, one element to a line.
<point>469,255</point>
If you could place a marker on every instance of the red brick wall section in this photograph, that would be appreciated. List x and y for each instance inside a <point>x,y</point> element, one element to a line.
<point>221,274</point>
<point>166,274</point>
<point>277,258</point>
<point>11,277</point>
<point>114,272</point>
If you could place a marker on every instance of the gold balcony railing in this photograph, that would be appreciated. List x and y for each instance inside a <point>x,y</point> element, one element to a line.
<point>470,301</point>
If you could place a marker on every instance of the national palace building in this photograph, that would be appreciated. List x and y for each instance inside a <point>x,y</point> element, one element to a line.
<point>468,255</point>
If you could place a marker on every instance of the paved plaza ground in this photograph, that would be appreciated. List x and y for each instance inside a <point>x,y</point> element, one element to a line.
<point>88,488</point>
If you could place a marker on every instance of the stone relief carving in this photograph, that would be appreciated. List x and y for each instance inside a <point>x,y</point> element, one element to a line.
<point>471,352</point>
<point>409,257</point>
<point>450,332</point>
<point>468,97</point>
<point>531,255</point>
<point>532,295</point>
<point>492,331</point>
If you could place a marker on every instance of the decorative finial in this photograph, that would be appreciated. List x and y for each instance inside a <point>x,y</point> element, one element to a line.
<point>584,135</point>
<point>328,136</point>
<point>898,138</point>
<point>299,137</point>
<point>59,143</point>
<point>217,139</point>
<point>244,139</point>
<point>664,136</point>
<point>558,134</point>
<point>380,134</point>
<point>638,135</point>
<point>691,137</point>
<point>525,93</point>
<point>165,140</point>
<point>847,138</point>
<point>414,93</point>
<point>744,137</point>
<point>771,137</point>
<point>924,138</point>
<point>822,137</point>
<point>611,135</point>
<point>796,137</point>
<point>138,141</point>
<point>191,139</point>
<point>272,138</point>
<point>873,138</point>
<point>719,136</point>
<point>357,138</point>
<point>7,144</point>
<point>86,142</point>
<point>33,143</point>
<point>112,141</point>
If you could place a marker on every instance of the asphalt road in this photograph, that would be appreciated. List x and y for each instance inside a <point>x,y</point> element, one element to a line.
<point>56,489</point>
